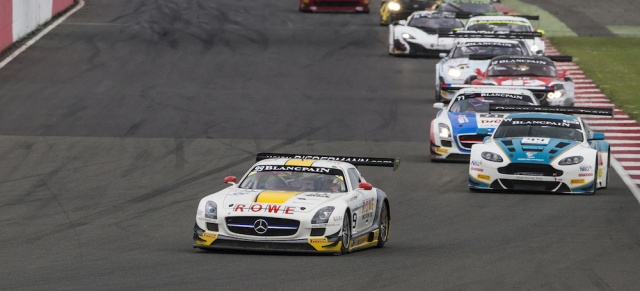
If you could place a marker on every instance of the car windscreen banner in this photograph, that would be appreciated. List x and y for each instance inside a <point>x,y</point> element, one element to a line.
<point>553,109</point>
<point>357,161</point>
<point>541,122</point>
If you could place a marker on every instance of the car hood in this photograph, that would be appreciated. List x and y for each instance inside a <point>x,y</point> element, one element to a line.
<point>538,150</point>
<point>468,122</point>
<point>279,201</point>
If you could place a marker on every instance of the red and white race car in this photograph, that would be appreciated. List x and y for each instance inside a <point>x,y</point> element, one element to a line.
<point>532,71</point>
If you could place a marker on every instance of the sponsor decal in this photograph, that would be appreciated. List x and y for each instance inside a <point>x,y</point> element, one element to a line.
<point>337,218</point>
<point>493,44</point>
<point>492,121</point>
<point>577,181</point>
<point>530,155</point>
<point>484,177</point>
<point>599,173</point>
<point>442,150</point>
<point>586,175</point>
<point>360,241</point>
<point>542,122</point>
<point>476,163</point>
<point>210,235</point>
<point>585,168</point>
<point>462,118</point>
<point>321,195</point>
<point>317,240</point>
<point>368,205</point>
<point>535,140</point>
<point>477,169</point>
<point>600,162</point>
<point>521,61</point>
<point>267,208</point>
<point>292,168</point>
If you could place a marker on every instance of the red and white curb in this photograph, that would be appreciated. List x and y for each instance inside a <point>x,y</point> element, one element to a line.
<point>622,132</point>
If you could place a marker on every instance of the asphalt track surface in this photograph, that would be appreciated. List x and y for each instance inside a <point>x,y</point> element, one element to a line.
<point>116,123</point>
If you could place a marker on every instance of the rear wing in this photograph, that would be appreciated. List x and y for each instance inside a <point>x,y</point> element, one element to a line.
<point>530,88</point>
<point>356,161</point>
<point>492,34</point>
<point>553,109</point>
<point>478,57</point>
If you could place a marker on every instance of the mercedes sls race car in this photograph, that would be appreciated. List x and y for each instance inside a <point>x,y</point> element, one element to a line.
<point>508,24</point>
<point>288,202</point>
<point>469,56</point>
<point>530,71</point>
<point>542,152</point>
<point>362,6</point>
<point>393,10</point>
<point>453,131</point>
<point>418,35</point>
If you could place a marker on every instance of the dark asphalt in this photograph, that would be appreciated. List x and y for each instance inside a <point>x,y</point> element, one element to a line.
<point>116,123</point>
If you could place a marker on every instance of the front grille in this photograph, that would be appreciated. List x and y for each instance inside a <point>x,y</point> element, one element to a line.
<point>336,3</point>
<point>530,170</point>
<point>467,140</point>
<point>545,186</point>
<point>317,232</point>
<point>273,226</point>
<point>212,226</point>
<point>446,143</point>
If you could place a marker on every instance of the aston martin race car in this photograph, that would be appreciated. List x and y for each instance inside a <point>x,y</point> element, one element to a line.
<point>362,6</point>
<point>530,71</point>
<point>291,202</point>
<point>508,24</point>
<point>393,10</point>
<point>453,131</point>
<point>539,151</point>
<point>470,55</point>
<point>418,35</point>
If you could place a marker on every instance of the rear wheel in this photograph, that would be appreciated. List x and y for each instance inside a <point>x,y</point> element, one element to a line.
<point>345,235</point>
<point>383,234</point>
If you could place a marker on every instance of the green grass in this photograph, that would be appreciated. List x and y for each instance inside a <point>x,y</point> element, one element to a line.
<point>612,63</point>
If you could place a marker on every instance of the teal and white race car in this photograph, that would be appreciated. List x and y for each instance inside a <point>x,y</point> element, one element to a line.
<point>543,150</point>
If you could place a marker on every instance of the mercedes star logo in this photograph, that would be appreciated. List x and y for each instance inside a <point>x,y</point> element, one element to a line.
<point>260,226</point>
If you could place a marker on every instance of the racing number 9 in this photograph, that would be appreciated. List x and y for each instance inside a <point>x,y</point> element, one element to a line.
<point>355,219</point>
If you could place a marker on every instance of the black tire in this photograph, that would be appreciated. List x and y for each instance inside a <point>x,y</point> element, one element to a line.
<point>345,233</point>
<point>595,178</point>
<point>438,94</point>
<point>383,230</point>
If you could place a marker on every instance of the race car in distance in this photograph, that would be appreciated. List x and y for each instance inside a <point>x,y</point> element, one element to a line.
<point>542,152</point>
<point>530,71</point>
<point>468,8</point>
<point>362,6</point>
<point>457,66</point>
<point>418,35</point>
<point>290,202</point>
<point>508,24</point>
<point>453,131</point>
<point>392,10</point>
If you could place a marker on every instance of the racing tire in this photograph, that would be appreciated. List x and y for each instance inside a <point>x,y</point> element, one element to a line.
<point>608,167</point>
<point>438,94</point>
<point>345,233</point>
<point>383,230</point>
<point>595,178</point>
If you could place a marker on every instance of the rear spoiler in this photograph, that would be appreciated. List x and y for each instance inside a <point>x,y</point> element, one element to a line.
<point>553,58</point>
<point>560,58</point>
<point>491,34</point>
<point>530,88</point>
<point>553,109</point>
<point>356,161</point>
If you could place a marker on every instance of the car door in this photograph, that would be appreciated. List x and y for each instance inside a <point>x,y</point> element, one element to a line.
<point>363,203</point>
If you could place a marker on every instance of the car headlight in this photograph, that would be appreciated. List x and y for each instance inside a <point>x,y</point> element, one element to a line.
<point>556,94</point>
<point>489,156</point>
<point>323,214</point>
<point>453,72</point>
<point>211,210</point>
<point>444,131</point>
<point>407,36</point>
<point>534,48</point>
<point>571,160</point>
<point>393,6</point>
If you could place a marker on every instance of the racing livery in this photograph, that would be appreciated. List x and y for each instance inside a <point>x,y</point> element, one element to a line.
<point>508,24</point>
<point>453,131</point>
<point>468,56</point>
<point>530,71</point>
<point>290,202</point>
<point>362,6</point>
<point>418,35</point>
<point>393,10</point>
<point>542,152</point>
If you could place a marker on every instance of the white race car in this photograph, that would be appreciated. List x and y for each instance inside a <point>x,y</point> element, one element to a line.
<point>542,152</point>
<point>453,131</point>
<point>289,202</point>
<point>457,66</point>
<point>418,35</point>
<point>504,23</point>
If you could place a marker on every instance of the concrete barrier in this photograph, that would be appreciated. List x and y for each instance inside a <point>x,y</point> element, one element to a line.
<point>18,18</point>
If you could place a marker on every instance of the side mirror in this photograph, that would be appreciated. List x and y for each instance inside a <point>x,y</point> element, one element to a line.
<point>365,186</point>
<point>438,105</point>
<point>442,55</point>
<point>598,136</point>
<point>402,22</point>
<point>482,131</point>
<point>540,52</point>
<point>230,180</point>
<point>480,73</point>
<point>568,79</point>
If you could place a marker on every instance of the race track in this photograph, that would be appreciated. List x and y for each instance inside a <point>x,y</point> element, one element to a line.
<point>116,123</point>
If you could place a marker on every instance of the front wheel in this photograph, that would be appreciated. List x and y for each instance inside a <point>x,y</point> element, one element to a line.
<point>345,235</point>
<point>383,230</point>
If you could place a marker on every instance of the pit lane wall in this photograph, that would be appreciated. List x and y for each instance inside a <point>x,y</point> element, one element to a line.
<point>20,17</point>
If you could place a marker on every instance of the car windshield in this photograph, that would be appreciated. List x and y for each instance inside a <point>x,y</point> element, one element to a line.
<point>522,69</point>
<point>536,127</point>
<point>285,178</point>
<point>481,104</point>
<point>441,25</point>
<point>469,7</point>
<point>464,51</point>
<point>499,26</point>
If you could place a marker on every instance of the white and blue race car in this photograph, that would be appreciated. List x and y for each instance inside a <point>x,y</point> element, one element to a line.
<point>540,151</point>
<point>453,131</point>
<point>290,202</point>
